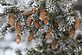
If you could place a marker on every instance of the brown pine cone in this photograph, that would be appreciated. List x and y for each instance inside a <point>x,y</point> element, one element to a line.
<point>30,37</point>
<point>18,28</point>
<point>71,32</point>
<point>11,20</point>
<point>43,14</point>
<point>45,21</point>
<point>77,23</point>
<point>36,24</point>
<point>48,34</point>
<point>54,44</point>
<point>18,39</point>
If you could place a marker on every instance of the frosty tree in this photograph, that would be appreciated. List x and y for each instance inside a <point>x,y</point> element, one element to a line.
<point>52,22</point>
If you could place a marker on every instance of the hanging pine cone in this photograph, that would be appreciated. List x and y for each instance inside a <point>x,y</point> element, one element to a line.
<point>18,32</point>
<point>43,14</point>
<point>36,24</point>
<point>54,44</point>
<point>77,23</point>
<point>43,11</point>
<point>30,37</point>
<point>71,32</point>
<point>75,26</point>
<point>45,21</point>
<point>11,20</point>
<point>18,39</point>
<point>18,28</point>
<point>48,34</point>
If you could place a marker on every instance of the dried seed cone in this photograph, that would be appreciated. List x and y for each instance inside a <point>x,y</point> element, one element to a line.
<point>43,14</point>
<point>36,24</point>
<point>18,39</point>
<point>53,45</point>
<point>30,37</point>
<point>71,32</point>
<point>48,36</point>
<point>11,20</point>
<point>77,23</point>
<point>45,21</point>
<point>18,28</point>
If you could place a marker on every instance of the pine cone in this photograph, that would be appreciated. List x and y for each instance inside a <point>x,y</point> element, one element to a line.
<point>30,37</point>
<point>71,32</point>
<point>54,45</point>
<point>29,21</point>
<point>36,24</point>
<point>11,20</point>
<point>43,14</point>
<point>77,23</point>
<point>18,39</point>
<point>45,21</point>
<point>48,34</point>
<point>18,28</point>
